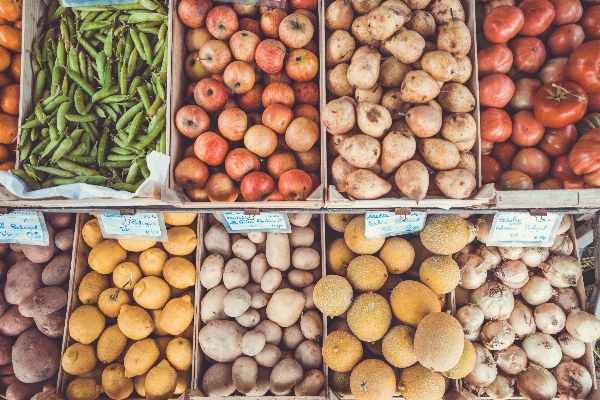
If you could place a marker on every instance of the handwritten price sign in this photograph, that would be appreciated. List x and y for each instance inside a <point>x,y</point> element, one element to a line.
<point>143,226</point>
<point>24,228</point>
<point>523,229</point>
<point>238,221</point>
<point>384,224</point>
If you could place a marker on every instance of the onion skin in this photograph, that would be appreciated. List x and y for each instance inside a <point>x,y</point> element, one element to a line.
<point>490,254</point>
<point>534,256</point>
<point>470,317</point>
<point>497,335</point>
<point>521,319</point>
<point>562,246</point>
<point>513,273</point>
<point>500,389</point>
<point>494,299</point>
<point>570,346</point>
<point>542,349</point>
<point>537,291</point>
<point>511,253</point>
<point>549,318</point>
<point>583,326</point>
<point>565,224</point>
<point>565,298</point>
<point>512,360</point>
<point>537,383</point>
<point>573,380</point>
<point>562,271</point>
<point>484,224</point>
<point>485,371</point>
<point>473,272</point>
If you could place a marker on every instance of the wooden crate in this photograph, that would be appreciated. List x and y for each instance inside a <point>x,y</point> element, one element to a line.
<point>202,254</point>
<point>80,268</point>
<point>175,195</point>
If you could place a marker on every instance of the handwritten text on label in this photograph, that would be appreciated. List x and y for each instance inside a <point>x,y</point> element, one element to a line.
<point>137,225</point>
<point>383,224</point>
<point>272,222</point>
<point>515,228</point>
<point>23,227</point>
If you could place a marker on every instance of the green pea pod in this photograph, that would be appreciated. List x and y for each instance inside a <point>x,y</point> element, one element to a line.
<point>120,157</point>
<point>53,171</point>
<point>64,147</point>
<point>56,78</point>
<point>80,81</point>
<point>83,66</point>
<point>100,112</point>
<point>102,147</point>
<point>150,137</point>
<point>144,97</point>
<point>159,55</point>
<point>92,14</point>
<point>117,98</point>
<point>118,32</point>
<point>131,63</point>
<point>25,150</point>
<point>61,54</point>
<point>123,78</point>
<point>87,46</point>
<point>132,173</point>
<point>104,93</point>
<point>86,139</point>
<point>61,119</point>
<point>79,102</point>
<point>149,30</point>
<point>54,104</point>
<point>128,116</point>
<point>127,187</point>
<point>143,167</point>
<point>155,106</point>
<point>128,47</point>
<point>40,83</point>
<point>37,51</point>
<point>34,135</point>
<point>100,65</point>
<point>41,145</point>
<point>76,169</point>
<point>64,32</point>
<point>66,89</point>
<point>39,113</point>
<point>94,153</point>
<point>77,151</point>
<point>59,12</point>
<point>108,43</point>
<point>66,181</point>
<point>76,134</point>
<point>32,124</point>
<point>138,44</point>
<point>135,83</point>
<point>51,60</point>
<point>95,180</point>
<point>111,114</point>
<point>163,142</point>
<point>91,128</point>
<point>53,132</point>
<point>139,17</point>
<point>94,26</point>
<point>133,127</point>
<point>22,175</point>
<point>118,164</point>
<point>52,145</point>
<point>81,160</point>
<point>71,26</point>
<point>81,118</point>
<point>146,46</point>
<point>107,73</point>
<point>148,5</point>
<point>120,150</point>
<point>162,32</point>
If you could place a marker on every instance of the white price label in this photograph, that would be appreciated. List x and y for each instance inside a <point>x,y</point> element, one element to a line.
<point>24,227</point>
<point>384,224</point>
<point>143,226</point>
<point>237,221</point>
<point>523,229</point>
<point>85,3</point>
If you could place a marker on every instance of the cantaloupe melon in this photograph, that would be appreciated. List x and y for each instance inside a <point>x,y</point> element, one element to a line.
<point>339,256</point>
<point>465,364</point>
<point>332,295</point>
<point>354,235</point>
<point>338,222</point>
<point>341,351</point>
<point>340,383</point>
<point>440,274</point>
<point>439,342</point>
<point>420,383</point>
<point>398,346</point>
<point>397,254</point>
<point>369,317</point>
<point>411,301</point>
<point>372,380</point>
<point>445,234</point>
<point>367,273</point>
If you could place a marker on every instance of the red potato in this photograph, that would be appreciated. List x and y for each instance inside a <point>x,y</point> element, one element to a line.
<point>22,279</point>
<point>57,271</point>
<point>41,254</point>
<point>64,239</point>
<point>59,221</point>
<point>6,344</point>
<point>12,323</point>
<point>23,391</point>
<point>35,357</point>
<point>44,301</point>
<point>53,324</point>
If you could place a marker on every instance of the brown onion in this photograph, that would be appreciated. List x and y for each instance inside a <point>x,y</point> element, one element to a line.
<point>472,273</point>
<point>491,255</point>
<point>484,372</point>
<point>565,298</point>
<point>573,380</point>
<point>484,224</point>
<point>570,346</point>
<point>472,337</point>
<point>562,271</point>
<point>542,349</point>
<point>553,70</point>
<point>511,253</point>
<point>537,383</point>
<point>562,246</point>
<point>494,299</point>
<point>534,256</point>
<point>549,318</point>
<point>583,326</point>
<point>521,320</point>
<point>533,162</point>
<point>537,291</point>
<point>470,317</point>
<point>513,273</point>
<point>502,388</point>
<point>565,224</point>
<point>497,335</point>
<point>512,360</point>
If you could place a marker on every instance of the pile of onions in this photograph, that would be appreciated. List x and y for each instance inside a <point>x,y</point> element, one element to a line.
<point>537,383</point>
<point>484,372</point>
<point>501,388</point>
<point>470,317</point>
<point>565,298</point>
<point>494,299</point>
<point>565,224</point>
<point>484,224</point>
<point>562,271</point>
<point>571,347</point>
<point>542,349</point>
<point>562,246</point>
<point>491,256</point>
<point>549,318</point>
<point>573,380</point>
<point>534,256</point>
<point>472,273</point>
<point>521,320</point>
<point>512,273</point>
<point>537,291</point>
<point>512,360</point>
<point>511,253</point>
<point>583,326</point>
<point>497,335</point>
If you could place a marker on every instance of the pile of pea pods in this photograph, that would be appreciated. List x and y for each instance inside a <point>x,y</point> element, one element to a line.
<point>100,75</point>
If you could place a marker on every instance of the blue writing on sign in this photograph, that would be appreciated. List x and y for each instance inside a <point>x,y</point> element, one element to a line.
<point>384,224</point>
<point>23,227</point>
<point>238,221</point>
<point>512,228</point>
<point>137,225</point>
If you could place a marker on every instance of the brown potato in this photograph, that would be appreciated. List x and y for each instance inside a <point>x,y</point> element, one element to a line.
<point>445,10</point>
<point>51,325</point>
<point>467,161</point>
<point>440,154</point>
<point>285,375</point>
<point>460,129</point>
<point>407,46</point>
<point>244,373</point>
<point>456,184</point>
<point>285,307</point>
<point>337,81</point>
<point>422,22</point>
<point>30,348</point>
<point>57,271</point>
<point>311,383</point>
<point>419,87</point>
<point>308,354</point>
<point>365,185</point>
<point>412,178</point>
<point>41,254</point>
<point>218,380</point>
<point>43,301</point>
<point>339,115</point>
<point>455,38</point>
<point>392,72</point>
<point>64,239</point>
<point>360,30</point>
<point>12,323</point>
<point>222,340</point>
<point>362,151</point>
<point>269,356</point>
<point>339,48</point>
<point>397,148</point>
<point>211,306</point>
<point>59,221</point>
<point>455,97</point>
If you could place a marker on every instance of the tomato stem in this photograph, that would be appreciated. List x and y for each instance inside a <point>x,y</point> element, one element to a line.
<point>564,94</point>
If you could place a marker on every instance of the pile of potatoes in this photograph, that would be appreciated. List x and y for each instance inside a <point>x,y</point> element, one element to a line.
<point>396,74</point>
<point>133,329</point>
<point>34,281</point>
<point>262,330</point>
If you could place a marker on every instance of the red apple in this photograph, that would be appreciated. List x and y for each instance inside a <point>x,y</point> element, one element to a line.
<point>301,65</point>
<point>193,12</point>
<point>269,55</point>
<point>251,25</point>
<point>252,100</point>
<point>311,16</point>
<point>257,186</point>
<point>280,76</point>
<point>190,173</point>
<point>194,70</point>
<point>276,196</point>
<point>281,162</point>
<point>214,55</point>
<point>309,161</point>
<point>296,31</point>
<point>239,77</point>
<point>260,140</point>
<point>211,148</point>
<point>245,9</point>
<point>221,188</point>
<point>307,111</point>
<point>189,151</point>
<point>295,185</point>
<point>196,37</point>
<point>222,22</point>
<point>197,194</point>
<point>210,94</point>
<point>269,22</point>
<point>277,117</point>
<point>312,46</point>
<point>302,134</point>
<point>230,104</point>
<point>264,9</point>
<point>189,91</point>
<point>191,121</point>
<point>306,92</point>
<point>316,180</point>
<point>232,124</point>
<point>304,4</point>
<point>218,77</point>
<point>243,45</point>
<point>240,162</point>
<point>278,93</point>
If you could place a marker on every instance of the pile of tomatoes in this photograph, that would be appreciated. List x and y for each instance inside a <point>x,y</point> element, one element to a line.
<point>539,71</point>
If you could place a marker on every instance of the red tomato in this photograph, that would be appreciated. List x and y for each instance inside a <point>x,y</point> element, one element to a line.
<point>525,90</point>
<point>494,59</point>
<point>529,54</point>
<point>527,132</point>
<point>495,90</point>
<point>565,39</point>
<point>583,66</point>
<point>562,171</point>
<point>515,180</point>
<point>490,5</point>
<point>538,16</point>
<point>553,70</point>
<point>558,141</point>
<point>549,184</point>
<point>559,104</point>
<point>490,169</point>
<point>505,153</point>
<point>593,102</point>
<point>533,162</point>
<point>591,23</point>
<point>503,23</point>
<point>495,125</point>
<point>585,155</point>
<point>566,11</point>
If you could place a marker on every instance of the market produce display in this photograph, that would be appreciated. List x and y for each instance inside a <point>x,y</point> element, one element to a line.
<point>537,70</point>
<point>99,90</point>
<point>251,102</point>
<point>398,110</point>
<point>132,328</point>
<point>34,282</point>
<point>261,332</point>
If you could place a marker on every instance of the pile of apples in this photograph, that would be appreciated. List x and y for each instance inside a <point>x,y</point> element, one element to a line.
<point>251,104</point>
